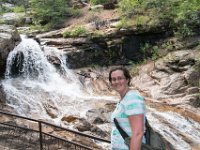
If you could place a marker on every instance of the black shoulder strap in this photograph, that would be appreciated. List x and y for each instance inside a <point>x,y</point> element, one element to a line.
<point>121,131</point>
<point>147,132</point>
<point>125,135</point>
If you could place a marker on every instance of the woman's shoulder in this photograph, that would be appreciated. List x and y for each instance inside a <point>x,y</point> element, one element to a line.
<point>133,92</point>
<point>133,95</point>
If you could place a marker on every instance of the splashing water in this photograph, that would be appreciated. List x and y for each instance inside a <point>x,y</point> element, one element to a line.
<point>178,130</point>
<point>34,88</point>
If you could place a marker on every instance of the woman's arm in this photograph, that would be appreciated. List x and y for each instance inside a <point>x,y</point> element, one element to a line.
<point>137,127</point>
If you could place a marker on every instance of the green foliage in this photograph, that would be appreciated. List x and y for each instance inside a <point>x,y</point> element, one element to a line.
<point>39,27</point>
<point>97,34</point>
<point>4,9</point>
<point>135,69</point>
<point>77,31</point>
<point>184,31</point>
<point>167,45</point>
<point>2,21</point>
<point>145,49</point>
<point>150,51</point>
<point>141,20</point>
<point>181,15</point>
<point>18,9</point>
<point>123,23</point>
<point>96,2</point>
<point>51,12</point>
<point>128,7</point>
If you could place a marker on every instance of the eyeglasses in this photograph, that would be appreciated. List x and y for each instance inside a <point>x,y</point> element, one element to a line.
<point>117,79</point>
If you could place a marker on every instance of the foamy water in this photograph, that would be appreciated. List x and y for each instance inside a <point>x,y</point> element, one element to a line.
<point>177,129</point>
<point>39,86</point>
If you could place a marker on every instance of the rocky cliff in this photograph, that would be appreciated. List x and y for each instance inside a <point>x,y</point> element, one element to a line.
<point>9,38</point>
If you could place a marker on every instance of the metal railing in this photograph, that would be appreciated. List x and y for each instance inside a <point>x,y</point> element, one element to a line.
<point>18,132</point>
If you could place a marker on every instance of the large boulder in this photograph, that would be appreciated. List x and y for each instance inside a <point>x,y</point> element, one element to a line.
<point>9,38</point>
<point>16,19</point>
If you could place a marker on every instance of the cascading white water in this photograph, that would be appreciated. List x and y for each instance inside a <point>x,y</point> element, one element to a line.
<point>178,130</point>
<point>33,86</point>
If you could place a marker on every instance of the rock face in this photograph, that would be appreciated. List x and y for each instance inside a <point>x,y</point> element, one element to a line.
<point>116,47</point>
<point>2,94</point>
<point>173,79</point>
<point>9,38</point>
<point>16,19</point>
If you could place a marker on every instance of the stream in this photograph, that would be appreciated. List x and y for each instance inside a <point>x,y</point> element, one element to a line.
<point>34,87</point>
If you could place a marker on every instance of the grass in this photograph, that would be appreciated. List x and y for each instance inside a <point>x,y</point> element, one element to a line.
<point>76,31</point>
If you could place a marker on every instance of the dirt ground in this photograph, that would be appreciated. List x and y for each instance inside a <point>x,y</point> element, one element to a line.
<point>88,15</point>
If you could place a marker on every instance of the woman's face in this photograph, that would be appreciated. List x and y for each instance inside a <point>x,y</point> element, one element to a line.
<point>119,81</point>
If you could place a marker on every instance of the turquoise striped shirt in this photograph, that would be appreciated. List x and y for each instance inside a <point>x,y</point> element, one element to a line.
<point>131,104</point>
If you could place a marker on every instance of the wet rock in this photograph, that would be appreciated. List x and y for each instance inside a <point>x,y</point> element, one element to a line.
<point>98,120</point>
<point>9,38</point>
<point>51,109</point>
<point>83,125</point>
<point>175,85</point>
<point>193,99</point>
<point>2,94</point>
<point>93,79</point>
<point>193,90</point>
<point>98,131</point>
<point>69,118</point>
<point>97,115</point>
<point>17,65</point>
<point>86,141</point>
<point>192,76</point>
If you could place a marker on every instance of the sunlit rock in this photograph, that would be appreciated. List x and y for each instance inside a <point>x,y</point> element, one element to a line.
<point>51,109</point>
<point>69,118</point>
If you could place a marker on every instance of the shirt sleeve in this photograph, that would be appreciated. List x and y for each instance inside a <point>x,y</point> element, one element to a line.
<point>133,104</point>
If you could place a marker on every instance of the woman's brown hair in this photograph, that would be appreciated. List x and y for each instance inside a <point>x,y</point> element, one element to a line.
<point>125,72</point>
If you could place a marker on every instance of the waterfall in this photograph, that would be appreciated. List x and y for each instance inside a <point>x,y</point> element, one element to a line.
<point>35,88</point>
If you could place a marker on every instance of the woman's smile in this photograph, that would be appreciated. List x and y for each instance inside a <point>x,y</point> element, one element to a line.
<point>119,82</point>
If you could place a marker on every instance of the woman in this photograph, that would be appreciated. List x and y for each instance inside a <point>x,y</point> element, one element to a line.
<point>129,112</point>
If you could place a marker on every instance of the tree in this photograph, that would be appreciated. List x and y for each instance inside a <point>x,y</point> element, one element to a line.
<point>48,11</point>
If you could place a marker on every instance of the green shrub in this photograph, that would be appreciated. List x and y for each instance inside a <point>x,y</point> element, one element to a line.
<point>128,7</point>
<point>96,2</point>
<point>4,9</point>
<point>123,23</point>
<point>173,13</point>
<point>39,27</point>
<point>18,9</point>
<point>184,31</point>
<point>2,21</point>
<point>51,12</point>
<point>142,20</point>
<point>77,31</point>
<point>98,33</point>
<point>135,70</point>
